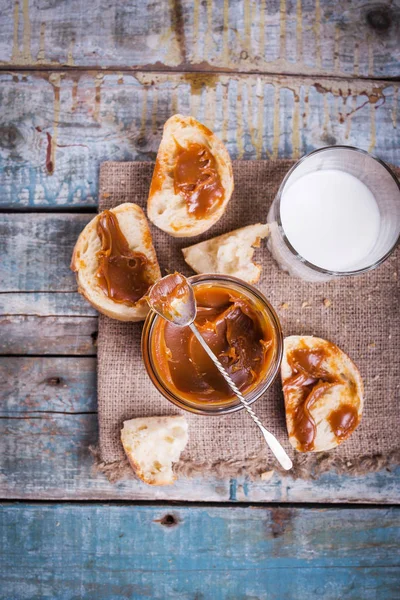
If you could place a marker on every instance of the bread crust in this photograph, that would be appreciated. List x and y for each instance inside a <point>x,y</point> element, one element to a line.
<point>168,210</point>
<point>130,438</point>
<point>133,223</point>
<point>229,254</point>
<point>351,392</point>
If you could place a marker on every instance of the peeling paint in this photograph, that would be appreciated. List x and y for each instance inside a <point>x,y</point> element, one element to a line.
<point>15,55</point>
<point>55,80</point>
<point>299,31</point>
<point>261,26</point>
<point>394,107</point>
<point>98,80</point>
<point>196,36</point>
<point>26,37</point>
<point>282,34</point>
<point>356,63</point>
<point>372,142</point>
<point>239,118</point>
<point>74,93</point>
<point>70,55</point>
<point>276,124</point>
<point>225,34</point>
<point>41,55</point>
<point>317,33</point>
<point>349,116</point>
<point>154,111</point>
<point>208,36</point>
<point>296,127</point>
<point>336,58</point>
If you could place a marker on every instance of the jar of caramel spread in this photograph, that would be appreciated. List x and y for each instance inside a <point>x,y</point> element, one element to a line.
<point>242,330</point>
<point>310,380</point>
<point>122,274</point>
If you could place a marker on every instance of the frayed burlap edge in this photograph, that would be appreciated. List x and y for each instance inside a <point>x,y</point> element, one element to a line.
<point>304,466</point>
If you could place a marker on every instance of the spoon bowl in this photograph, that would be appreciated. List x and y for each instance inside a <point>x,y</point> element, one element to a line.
<point>172,297</point>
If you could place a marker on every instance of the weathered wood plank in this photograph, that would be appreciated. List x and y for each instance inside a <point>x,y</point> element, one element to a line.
<point>48,335</point>
<point>36,251</point>
<point>58,127</point>
<point>45,304</point>
<point>47,323</point>
<point>278,36</point>
<point>77,551</point>
<point>48,420</point>
<point>30,386</point>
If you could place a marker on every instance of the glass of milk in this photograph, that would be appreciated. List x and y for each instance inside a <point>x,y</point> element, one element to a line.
<point>337,212</point>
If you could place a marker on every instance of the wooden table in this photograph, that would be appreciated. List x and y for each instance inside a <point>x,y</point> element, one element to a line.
<point>81,83</point>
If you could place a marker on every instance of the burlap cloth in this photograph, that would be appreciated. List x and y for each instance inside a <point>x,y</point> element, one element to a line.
<point>363,319</point>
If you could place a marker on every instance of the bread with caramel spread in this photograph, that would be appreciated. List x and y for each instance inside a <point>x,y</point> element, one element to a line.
<point>192,180</point>
<point>153,444</point>
<point>229,254</point>
<point>323,393</point>
<point>115,262</point>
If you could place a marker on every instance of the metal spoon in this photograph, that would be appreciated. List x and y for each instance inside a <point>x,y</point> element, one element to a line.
<point>172,297</point>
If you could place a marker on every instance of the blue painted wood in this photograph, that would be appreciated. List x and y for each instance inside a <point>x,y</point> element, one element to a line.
<point>150,552</point>
<point>58,128</point>
<point>306,36</point>
<point>48,420</point>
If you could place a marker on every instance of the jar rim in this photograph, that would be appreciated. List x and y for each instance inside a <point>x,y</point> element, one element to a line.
<point>202,408</point>
<point>278,199</point>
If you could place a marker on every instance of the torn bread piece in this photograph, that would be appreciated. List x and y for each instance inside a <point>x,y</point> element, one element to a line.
<point>115,262</point>
<point>323,391</point>
<point>229,254</point>
<point>153,444</point>
<point>192,180</point>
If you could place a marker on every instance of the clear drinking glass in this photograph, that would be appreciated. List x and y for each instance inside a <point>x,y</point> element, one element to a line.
<point>371,171</point>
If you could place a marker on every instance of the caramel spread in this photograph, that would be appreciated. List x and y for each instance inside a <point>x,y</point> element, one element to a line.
<point>314,380</point>
<point>343,420</point>
<point>196,178</point>
<point>242,340</point>
<point>123,275</point>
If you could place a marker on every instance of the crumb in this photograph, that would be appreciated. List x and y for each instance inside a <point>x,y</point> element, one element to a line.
<point>284,306</point>
<point>106,195</point>
<point>375,378</point>
<point>327,302</point>
<point>372,345</point>
<point>267,476</point>
<point>390,336</point>
<point>395,275</point>
<point>306,304</point>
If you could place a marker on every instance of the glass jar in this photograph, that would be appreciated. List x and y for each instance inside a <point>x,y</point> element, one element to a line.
<point>370,171</point>
<point>267,316</point>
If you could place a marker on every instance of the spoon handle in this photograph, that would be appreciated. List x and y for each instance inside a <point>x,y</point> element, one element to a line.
<point>271,440</point>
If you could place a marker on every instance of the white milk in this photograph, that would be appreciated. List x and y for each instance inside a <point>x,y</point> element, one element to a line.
<point>330,218</point>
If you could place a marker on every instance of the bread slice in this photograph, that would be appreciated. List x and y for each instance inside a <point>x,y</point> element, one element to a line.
<point>133,224</point>
<point>229,254</point>
<point>334,409</point>
<point>153,444</point>
<point>168,209</point>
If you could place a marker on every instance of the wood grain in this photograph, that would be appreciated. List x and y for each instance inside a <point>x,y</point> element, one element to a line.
<point>152,552</point>
<point>279,36</point>
<point>44,452</point>
<point>48,420</point>
<point>58,127</point>
<point>36,251</point>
